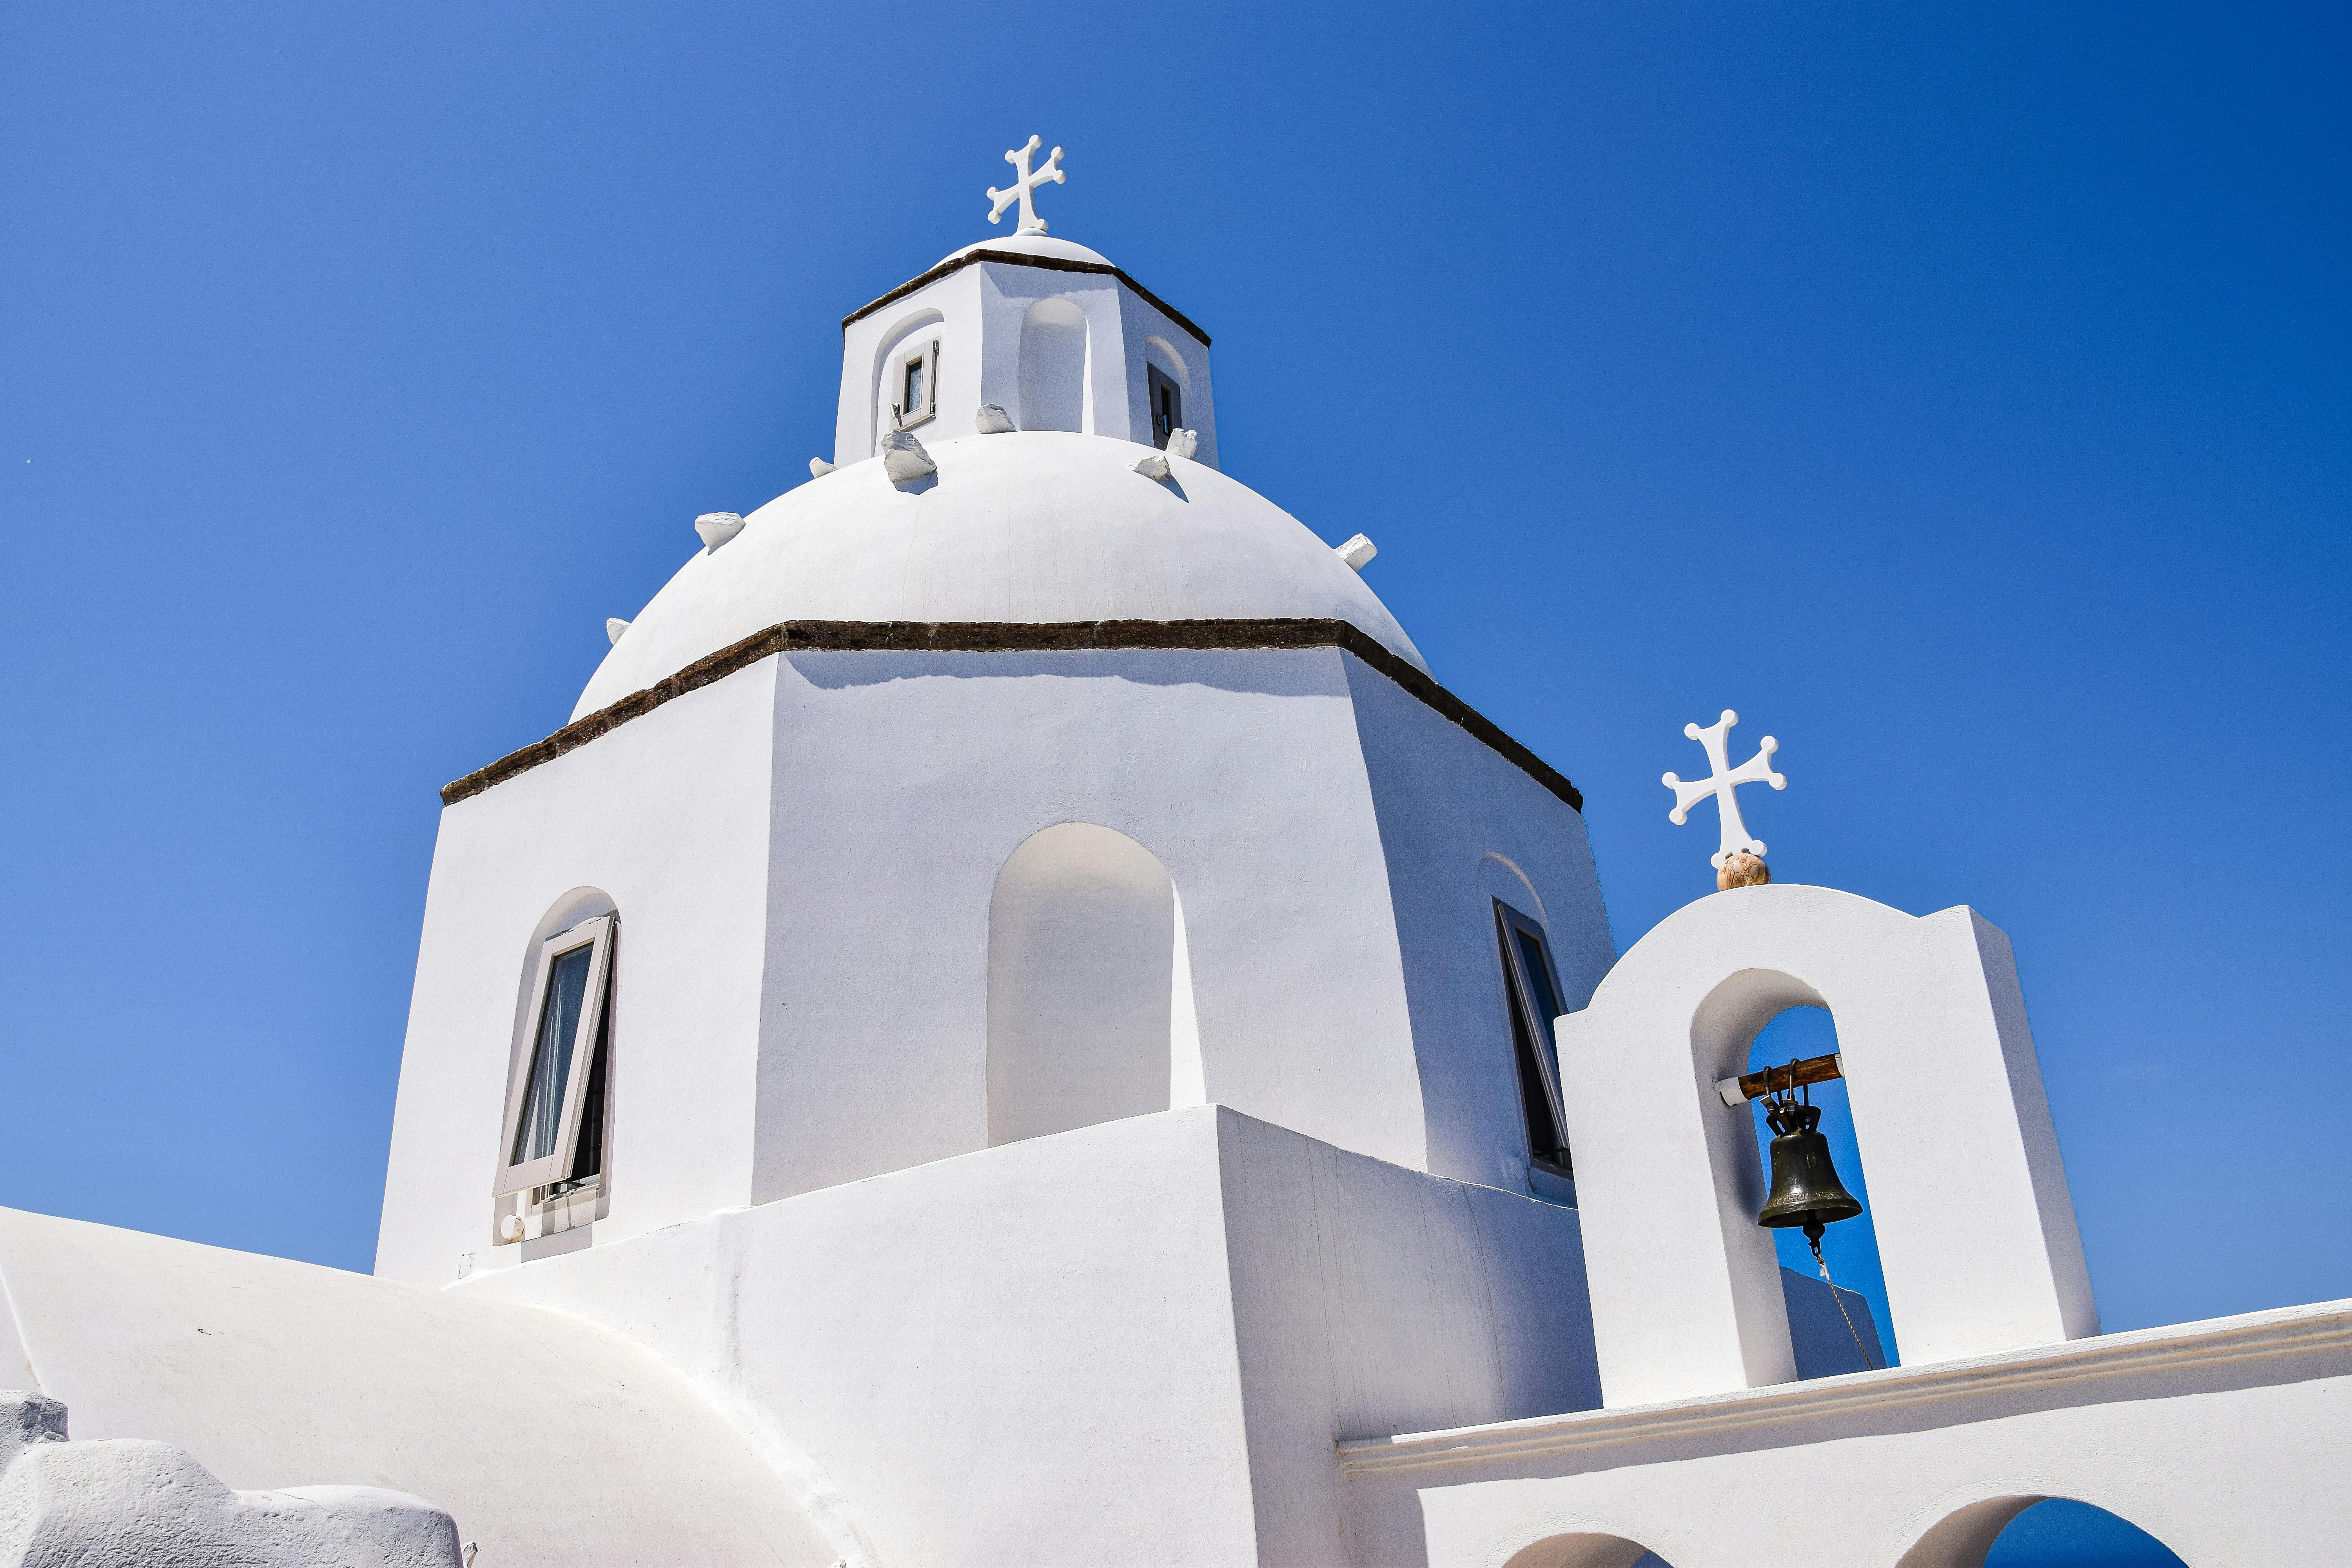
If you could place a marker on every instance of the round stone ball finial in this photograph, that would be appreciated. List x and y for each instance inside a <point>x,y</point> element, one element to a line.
<point>1742,871</point>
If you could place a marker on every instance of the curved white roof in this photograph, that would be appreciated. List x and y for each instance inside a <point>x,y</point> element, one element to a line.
<point>1032,245</point>
<point>549,1440</point>
<point>1034,526</point>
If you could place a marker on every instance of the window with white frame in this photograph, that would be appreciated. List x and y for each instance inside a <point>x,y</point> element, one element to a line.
<point>553,1135</point>
<point>915,392</point>
<point>1533,992</point>
<point>1167,404</point>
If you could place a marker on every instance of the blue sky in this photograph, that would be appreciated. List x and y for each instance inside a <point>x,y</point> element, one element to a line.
<point>1958,392</point>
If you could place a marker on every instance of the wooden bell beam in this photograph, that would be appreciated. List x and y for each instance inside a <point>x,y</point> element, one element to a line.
<point>1737,1091</point>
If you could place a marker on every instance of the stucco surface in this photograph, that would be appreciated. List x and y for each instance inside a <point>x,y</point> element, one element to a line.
<point>1178,1313</point>
<point>2224,1439</point>
<point>1037,526</point>
<point>66,1504</point>
<point>549,1440</point>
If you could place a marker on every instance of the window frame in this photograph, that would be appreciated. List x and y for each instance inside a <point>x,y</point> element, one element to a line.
<point>929,359</point>
<point>597,932</point>
<point>1154,379</point>
<point>1542,1039</point>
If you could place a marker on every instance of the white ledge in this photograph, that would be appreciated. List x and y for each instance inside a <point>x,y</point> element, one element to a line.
<point>2319,1328</point>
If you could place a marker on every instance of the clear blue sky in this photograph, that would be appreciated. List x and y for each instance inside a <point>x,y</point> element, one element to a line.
<point>1959,392</point>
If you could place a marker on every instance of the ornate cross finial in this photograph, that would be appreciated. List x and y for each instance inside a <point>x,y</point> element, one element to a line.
<point>1756,769</point>
<point>1023,184</point>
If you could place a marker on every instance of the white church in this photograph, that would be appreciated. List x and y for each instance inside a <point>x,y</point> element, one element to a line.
<point>1019,1023</point>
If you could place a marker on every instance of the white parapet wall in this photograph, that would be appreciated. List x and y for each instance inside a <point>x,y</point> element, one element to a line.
<point>2224,1439</point>
<point>1181,1311</point>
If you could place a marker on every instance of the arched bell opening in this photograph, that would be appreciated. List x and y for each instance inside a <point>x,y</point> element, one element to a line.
<point>2033,1531</point>
<point>1825,1342</point>
<point>1586,1549</point>
<point>1090,1012</point>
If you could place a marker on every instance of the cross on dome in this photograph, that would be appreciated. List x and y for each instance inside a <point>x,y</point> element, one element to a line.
<point>1756,769</point>
<point>1023,182</point>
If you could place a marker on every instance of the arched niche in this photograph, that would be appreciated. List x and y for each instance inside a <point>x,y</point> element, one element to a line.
<point>1089,987</point>
<point>2030,1531</point>
<point>1053,367</point>
<point>1585,1549</point>
<point>916,329</point>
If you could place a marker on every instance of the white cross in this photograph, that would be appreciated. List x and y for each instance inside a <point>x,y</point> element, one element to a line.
<point>1018,158</point>
<point>1756,769</point>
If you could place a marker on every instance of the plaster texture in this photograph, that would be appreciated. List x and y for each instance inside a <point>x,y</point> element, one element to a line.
<point>1975,1231</point>
<point>2224,1439</point>
<point>1204,1303</point>
<point>1091,375</point>
<point>1030,526</point>
<point>803,986</point>
<point>124,1500</point>
<point>548,1440</point>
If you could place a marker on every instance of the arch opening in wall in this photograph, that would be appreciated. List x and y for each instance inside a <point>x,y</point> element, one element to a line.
<point>555,1137</point>
<point>1824,1341</point>
<point>911,344</point>
<point>1090,1012</point>
<point>1586,1549</point>
<point>1053,367</point>
<point>1168,384</point>
<point>2032,1532</point>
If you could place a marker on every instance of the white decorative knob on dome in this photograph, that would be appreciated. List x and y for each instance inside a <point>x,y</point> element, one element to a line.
<point>717,528</point>
<point>1183,442</point>
<point>1356,552</point>
<point>1152,466</point>
<point>819,467</point>
<point>904,459</point>
<point>992,420</point>
<point>613,627</point>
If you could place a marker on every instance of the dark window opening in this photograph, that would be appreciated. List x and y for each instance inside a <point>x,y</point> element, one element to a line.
<point>1167,406</point>
<point>590,1159</point>
<point>1534,996</point>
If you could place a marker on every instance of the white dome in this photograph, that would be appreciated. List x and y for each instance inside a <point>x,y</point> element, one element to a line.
<point>1033,245</point>
<point>1035,526</point>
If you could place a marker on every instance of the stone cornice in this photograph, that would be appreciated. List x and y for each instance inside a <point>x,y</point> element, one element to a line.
<point>1011,259</point>
<point>2324,1330</point>
<point>1017,636</point>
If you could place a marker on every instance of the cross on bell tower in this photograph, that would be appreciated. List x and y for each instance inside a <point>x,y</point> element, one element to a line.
<point>1720,784</point>
<point>1023,182</point>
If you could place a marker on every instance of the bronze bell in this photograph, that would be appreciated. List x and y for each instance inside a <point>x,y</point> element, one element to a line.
<point>1805,1186</point>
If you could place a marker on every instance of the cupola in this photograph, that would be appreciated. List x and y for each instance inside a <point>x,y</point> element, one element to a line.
<point>1049,332</point>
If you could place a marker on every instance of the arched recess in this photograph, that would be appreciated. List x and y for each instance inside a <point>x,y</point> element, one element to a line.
<point>922,323</point>
<point>2035,1531</point>
<point>1053,367</point>
<point>1586,1549</point>
<point>1090,1013</point>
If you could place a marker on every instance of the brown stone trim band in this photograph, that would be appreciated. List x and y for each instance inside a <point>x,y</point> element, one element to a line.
<point>1050,263</point>
<point>1014,637</point>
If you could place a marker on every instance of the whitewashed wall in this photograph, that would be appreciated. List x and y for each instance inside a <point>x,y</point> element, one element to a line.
<point>1133,1343</point>
<point>977,314</point>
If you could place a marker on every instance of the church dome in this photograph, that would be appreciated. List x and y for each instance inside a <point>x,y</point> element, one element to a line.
<point>1032,526</point>
<point>1033,244</point>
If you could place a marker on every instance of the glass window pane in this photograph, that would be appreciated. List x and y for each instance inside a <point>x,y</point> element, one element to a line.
<point>550,1056</point>
<point>914,389</point>
<point>1538,982</point>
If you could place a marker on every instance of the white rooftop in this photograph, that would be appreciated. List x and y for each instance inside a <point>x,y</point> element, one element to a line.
<point>1028,526</point>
